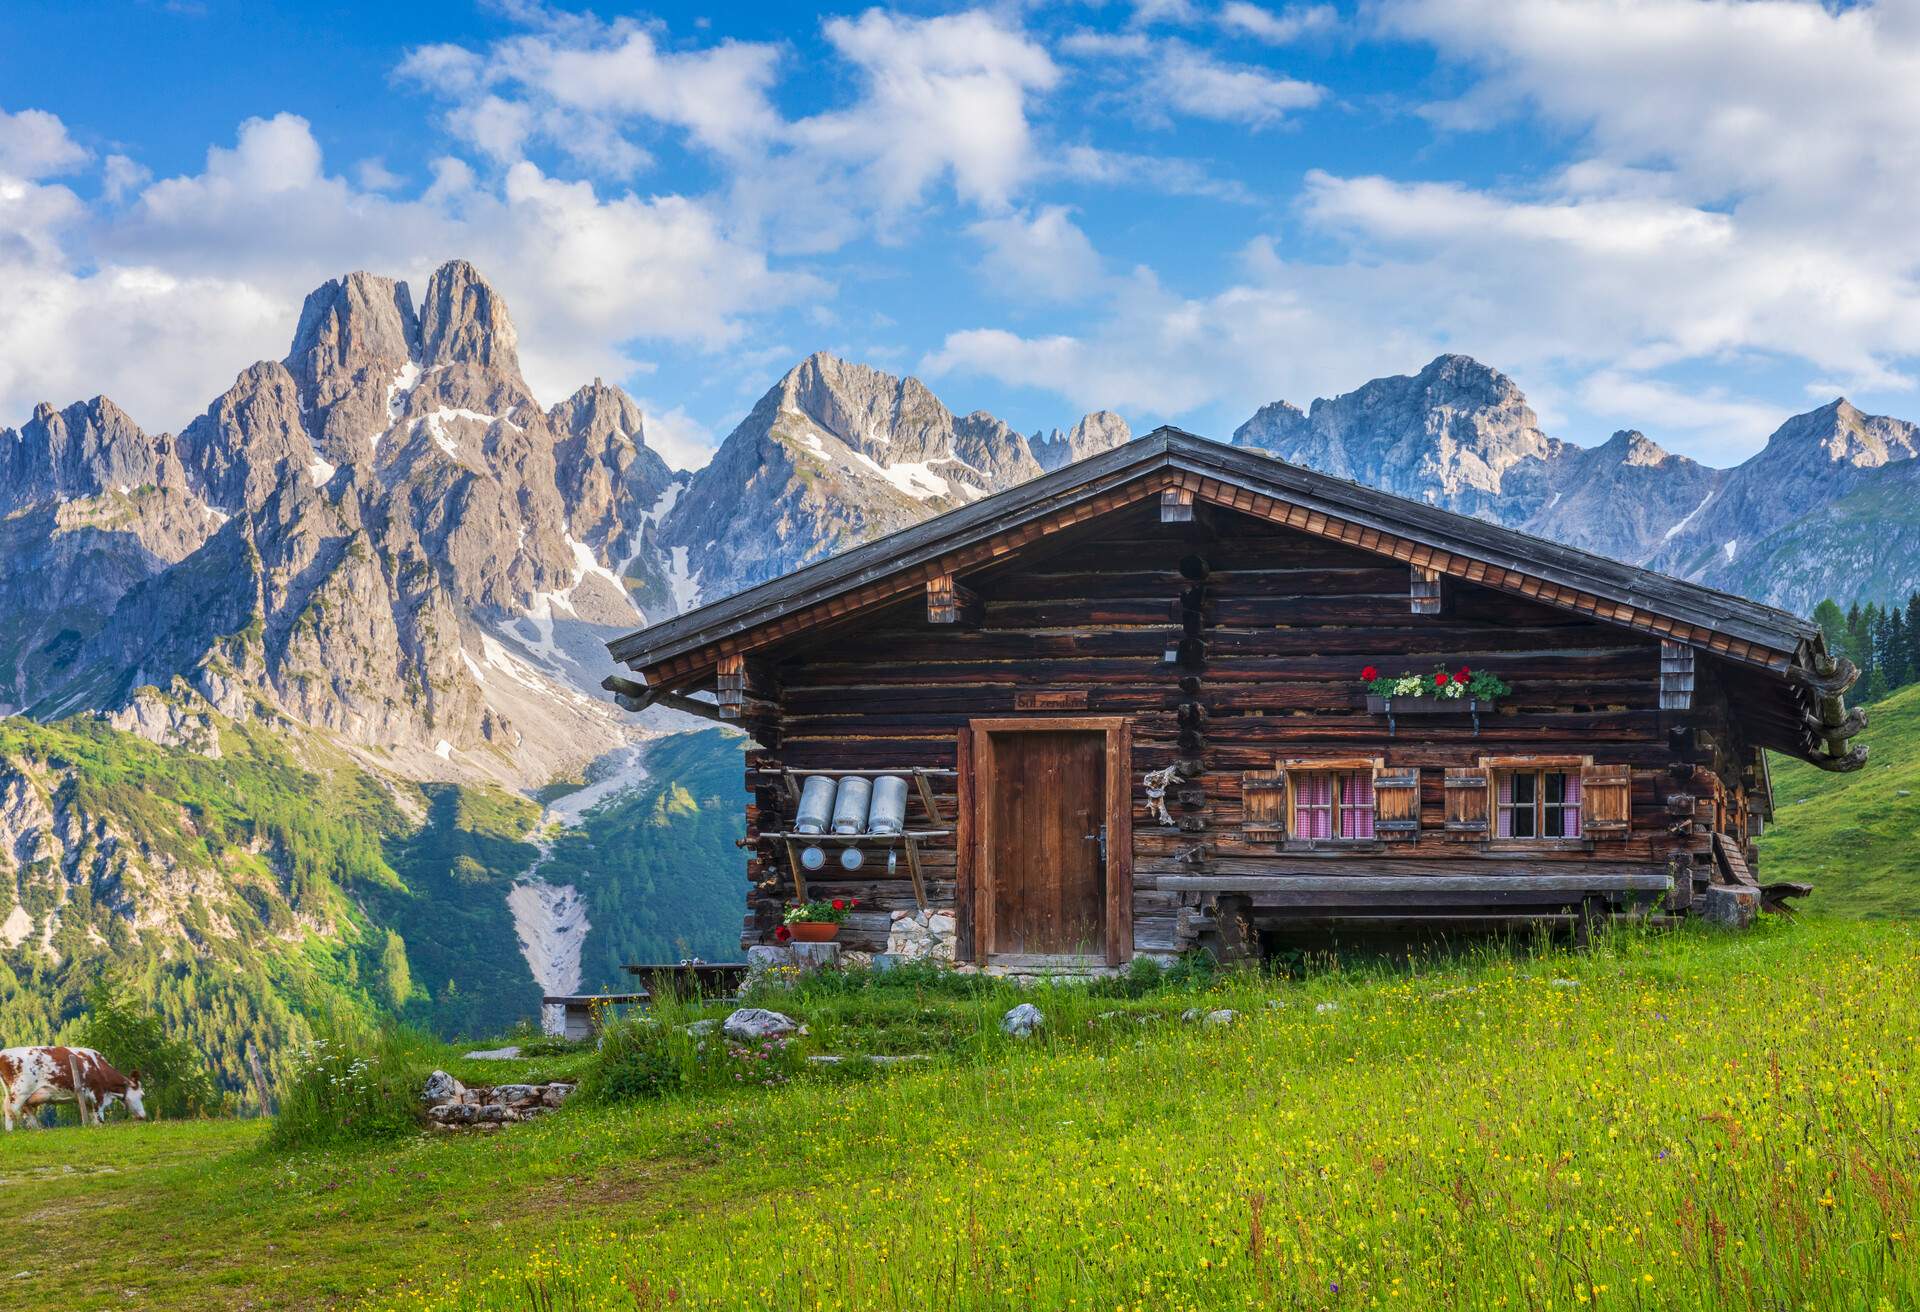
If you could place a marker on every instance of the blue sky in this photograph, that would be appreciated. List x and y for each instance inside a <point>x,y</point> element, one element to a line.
<point>1690,217</point>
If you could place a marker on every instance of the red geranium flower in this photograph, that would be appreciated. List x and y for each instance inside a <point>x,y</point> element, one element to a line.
<point>1369,674</point>
<point>839,904</point>
<point>1440,681</point>
<point>1464,676</point>
<point>781,933</point>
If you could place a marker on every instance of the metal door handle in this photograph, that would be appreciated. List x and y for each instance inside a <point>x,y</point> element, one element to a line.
<point>1100,838</point>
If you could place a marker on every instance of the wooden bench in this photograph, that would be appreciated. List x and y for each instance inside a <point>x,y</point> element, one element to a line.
<point>580,1013</point>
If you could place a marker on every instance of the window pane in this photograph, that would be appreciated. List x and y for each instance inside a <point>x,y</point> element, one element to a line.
<point>1356,804</point>
<point>1525,789</point>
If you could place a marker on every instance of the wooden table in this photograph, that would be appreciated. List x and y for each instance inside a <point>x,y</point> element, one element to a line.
<point>706,979</point>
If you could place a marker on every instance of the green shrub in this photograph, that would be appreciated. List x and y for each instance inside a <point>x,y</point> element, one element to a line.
<point>656,1056</point>
<point>174,1080</point>
<point>353,1087</point>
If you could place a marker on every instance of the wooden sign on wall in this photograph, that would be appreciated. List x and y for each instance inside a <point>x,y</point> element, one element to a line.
<point>1055,699</point>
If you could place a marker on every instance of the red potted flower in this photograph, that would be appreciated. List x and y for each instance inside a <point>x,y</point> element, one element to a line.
<point>816,922</point>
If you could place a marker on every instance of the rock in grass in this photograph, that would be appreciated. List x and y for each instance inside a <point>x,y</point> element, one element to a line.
<point>750,1024</point>
<point>1224,1016</point>
<point>494,1054</point>
<point>1023,1021</point>
<point>1563,983</point>
<point>700,1028</point>
<point>441,1087</point>
<point>1192,1014</point>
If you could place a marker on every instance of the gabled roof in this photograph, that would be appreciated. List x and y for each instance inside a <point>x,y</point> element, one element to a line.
<point>682,652</point>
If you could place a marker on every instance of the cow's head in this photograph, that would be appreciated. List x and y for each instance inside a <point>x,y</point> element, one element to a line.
<point>135,1096</point>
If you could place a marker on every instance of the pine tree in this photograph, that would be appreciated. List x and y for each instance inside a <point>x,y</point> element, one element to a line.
<point>1833,623</point>
<point>1895,658</point>
<point>1856,647</point>
<point>1913,637</point>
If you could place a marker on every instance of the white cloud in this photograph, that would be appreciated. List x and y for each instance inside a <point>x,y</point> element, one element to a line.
<point>121,175</point>
<point>1278,29</point>
<point>682,441</point>
<point>159,303</point>
<point>34,144</point>
<point>1725,428</point>
<point>943,96</point>
<point>1204,87</point>
<point>1187,80</point>
<point>1040,254</point>
<point>575,83</point>
<point>373,175</point>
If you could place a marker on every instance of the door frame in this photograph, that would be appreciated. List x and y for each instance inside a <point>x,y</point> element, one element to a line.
<point>974,884</point>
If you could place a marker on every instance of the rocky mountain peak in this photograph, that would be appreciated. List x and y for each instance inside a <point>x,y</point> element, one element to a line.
<point>599,413</point>
<point>1458,434</point>
<point>1630,446</point>
<point>464,321</point>
<point>350,325</point>
<point>1839,433</point>
<point>85,450</point>
<point>1102,430</point>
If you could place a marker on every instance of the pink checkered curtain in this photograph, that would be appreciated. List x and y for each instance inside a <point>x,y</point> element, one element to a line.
<point>1356,804</point>
<point>1504,806</point>
<point>1572,810</point>
<point>1313,806</point>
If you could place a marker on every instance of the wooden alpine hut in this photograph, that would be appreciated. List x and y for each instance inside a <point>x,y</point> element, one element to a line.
<point>1183,694</point>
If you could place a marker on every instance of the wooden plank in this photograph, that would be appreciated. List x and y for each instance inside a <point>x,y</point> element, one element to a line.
<point>1606,805</point>
<point>1176,505</point>
<point>1468,808</point>
<point>1428,591</point>
<point>965,947</point>
<point>1119,824</point>
<point>1585,881</point>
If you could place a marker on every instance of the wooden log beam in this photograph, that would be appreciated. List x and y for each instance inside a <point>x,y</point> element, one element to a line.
<point>950,601</point>
<point>1586,882</point>
<point>633,697</point>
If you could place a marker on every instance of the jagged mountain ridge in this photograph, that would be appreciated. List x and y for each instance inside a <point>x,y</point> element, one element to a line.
<point>384,536</point>
<point>1783,527</point>
<point>373,536</point>
<point>836,453</point>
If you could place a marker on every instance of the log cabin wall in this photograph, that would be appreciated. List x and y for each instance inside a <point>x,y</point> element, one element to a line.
<point>1249,655</point>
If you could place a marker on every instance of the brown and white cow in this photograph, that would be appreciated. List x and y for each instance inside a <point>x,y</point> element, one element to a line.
<point>36,1076</point>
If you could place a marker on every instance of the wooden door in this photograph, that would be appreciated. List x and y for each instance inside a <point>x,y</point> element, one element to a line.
<point>1047,872</point>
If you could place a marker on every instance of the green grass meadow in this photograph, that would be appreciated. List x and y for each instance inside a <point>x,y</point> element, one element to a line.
<point>1678,1120</point>
<point>1673,1121</point>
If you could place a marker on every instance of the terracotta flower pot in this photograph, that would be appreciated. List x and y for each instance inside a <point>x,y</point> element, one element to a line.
<point>814,931</point>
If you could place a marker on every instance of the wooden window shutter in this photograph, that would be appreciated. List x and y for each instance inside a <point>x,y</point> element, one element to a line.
<point>1263,801</point>
<point>1396,804</point>
<point>1606,799</point>
<point>1467,801</point>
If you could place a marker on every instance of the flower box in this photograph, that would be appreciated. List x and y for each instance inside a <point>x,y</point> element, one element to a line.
<point>1395,707</point>
<point>1429,705</point>
<point>814,931</point>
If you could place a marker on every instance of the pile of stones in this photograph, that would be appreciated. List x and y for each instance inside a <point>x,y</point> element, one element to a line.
<point>451,1105</point>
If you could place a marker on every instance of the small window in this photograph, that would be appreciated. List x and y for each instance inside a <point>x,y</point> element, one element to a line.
<point>1331,804</point>
<point>1537,804</point>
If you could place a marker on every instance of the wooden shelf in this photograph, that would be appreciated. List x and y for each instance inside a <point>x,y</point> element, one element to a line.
<point>920,775</point>
<point>910,839</point>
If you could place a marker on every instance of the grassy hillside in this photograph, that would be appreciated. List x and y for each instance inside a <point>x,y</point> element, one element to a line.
<point>1854,837</point>
<point>246,895</point>
<point>1683,1121</point>
<point>662,877</point>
